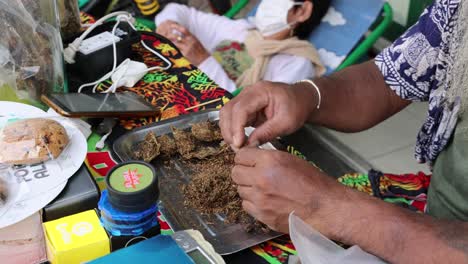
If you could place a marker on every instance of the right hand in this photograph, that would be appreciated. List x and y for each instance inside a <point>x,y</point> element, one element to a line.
<point>274,109</point>
<point>189,45</point>
<point>166,28</point>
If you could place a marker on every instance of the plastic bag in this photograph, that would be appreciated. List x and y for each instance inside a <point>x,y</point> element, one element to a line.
<point>70,22</point>
<point>12,189</point>
<point>313,247</point>
<point>31,61</point>
<point>31,141</point>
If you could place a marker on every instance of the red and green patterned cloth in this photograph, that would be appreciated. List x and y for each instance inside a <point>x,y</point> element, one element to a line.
<point>408,190</point>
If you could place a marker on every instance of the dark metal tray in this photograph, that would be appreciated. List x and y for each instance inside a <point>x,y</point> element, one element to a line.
<point>225,238</point>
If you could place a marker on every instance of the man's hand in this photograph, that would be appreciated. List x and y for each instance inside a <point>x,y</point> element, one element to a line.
<point>188,44</point>
<point>275,109</point>
<point>272,184</point>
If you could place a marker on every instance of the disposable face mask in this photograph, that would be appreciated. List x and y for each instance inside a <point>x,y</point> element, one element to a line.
<point>272,16</point>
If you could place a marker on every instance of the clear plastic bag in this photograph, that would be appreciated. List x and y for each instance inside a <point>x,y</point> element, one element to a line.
<point>70,22</point>
<point>12,189</point>
<point>313,247</point>
<point>31,141</point>
<point>31,61</point>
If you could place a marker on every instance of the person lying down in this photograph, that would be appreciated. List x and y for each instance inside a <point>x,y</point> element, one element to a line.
<point>237,53</point>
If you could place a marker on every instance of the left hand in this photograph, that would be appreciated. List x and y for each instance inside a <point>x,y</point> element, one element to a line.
<point>188,44</point>
<point>272,184</point>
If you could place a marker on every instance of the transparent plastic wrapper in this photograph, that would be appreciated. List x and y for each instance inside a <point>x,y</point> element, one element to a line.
<point>313,247</point>
<point>31,140</point>
<point>42,152</point>
<point>31,48</point>
<point>12,189</point>
<point>70,22</point>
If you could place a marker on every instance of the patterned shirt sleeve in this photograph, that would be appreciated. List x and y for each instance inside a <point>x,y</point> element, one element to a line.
<point>409,65</point>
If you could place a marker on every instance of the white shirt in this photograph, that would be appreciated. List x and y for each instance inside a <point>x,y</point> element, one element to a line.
<point>211,29</point>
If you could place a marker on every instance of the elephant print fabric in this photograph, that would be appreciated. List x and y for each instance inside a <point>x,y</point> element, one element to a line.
<point>416,67</point>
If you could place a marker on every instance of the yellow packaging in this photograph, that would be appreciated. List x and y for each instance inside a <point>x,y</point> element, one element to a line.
<point>76,239</point>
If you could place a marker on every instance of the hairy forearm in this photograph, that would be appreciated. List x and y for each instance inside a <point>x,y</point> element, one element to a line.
<point>355,99</point>
<point>397,234</point>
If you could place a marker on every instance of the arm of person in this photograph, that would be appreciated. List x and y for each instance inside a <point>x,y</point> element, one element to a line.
<point>215,71</point>
<point>272,184</point>
<point>355,99</point>
<point>210,29</point>
<point>351,100</point>
<point>390,232</point>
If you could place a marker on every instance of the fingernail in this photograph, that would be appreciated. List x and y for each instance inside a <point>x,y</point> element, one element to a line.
<point>237,141</point>
<point>234,148</point>
<point>255,144</point>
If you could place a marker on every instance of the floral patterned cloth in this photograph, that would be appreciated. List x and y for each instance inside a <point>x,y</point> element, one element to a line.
<point>417,68</point>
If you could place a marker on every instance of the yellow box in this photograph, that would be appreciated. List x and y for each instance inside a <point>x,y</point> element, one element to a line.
<point>76,239</point>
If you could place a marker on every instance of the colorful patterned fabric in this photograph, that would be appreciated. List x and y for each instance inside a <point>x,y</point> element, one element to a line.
<point>416,67</point>
<point>409,190</point>
<point>86,19</point>
<point>276,251</point>
<point>174,90</point>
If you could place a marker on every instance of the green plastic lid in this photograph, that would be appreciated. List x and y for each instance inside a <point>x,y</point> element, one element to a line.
<point>132,186</point>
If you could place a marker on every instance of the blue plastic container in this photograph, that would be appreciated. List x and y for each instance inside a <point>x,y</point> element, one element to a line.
<point>120,223</point>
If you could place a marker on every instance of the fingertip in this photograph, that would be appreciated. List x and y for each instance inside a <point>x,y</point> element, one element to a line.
<point>235,149</point>
<point>238,140</point>
<point>253,143</point>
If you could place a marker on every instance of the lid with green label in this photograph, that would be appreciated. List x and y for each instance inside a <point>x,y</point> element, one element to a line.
<point>132,186</point>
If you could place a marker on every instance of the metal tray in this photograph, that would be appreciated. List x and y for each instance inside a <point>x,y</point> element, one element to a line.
<point>225,238</point>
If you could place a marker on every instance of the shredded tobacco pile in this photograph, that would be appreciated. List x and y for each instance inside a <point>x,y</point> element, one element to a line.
<point>211,190</point>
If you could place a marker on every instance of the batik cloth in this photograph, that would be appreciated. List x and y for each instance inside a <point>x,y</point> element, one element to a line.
<point>174,90</point>
<point>418,66</point>
<point>407,190</point>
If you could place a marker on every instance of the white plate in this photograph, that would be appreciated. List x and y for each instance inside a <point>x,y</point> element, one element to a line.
<point>18,109</point>
<point>27,207</point>
<point>45,180</point>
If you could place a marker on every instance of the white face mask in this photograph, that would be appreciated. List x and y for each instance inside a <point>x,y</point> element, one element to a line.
<point>272,16</point>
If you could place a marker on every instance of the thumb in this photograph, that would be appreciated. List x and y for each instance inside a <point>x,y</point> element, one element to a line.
<point>264,133</point>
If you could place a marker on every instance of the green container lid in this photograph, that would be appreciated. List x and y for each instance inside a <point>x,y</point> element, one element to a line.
<point>132,186</point>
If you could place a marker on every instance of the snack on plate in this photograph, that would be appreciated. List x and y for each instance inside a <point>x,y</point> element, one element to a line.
<point>32,141</point>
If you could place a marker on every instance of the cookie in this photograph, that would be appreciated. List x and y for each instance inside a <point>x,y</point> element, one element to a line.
<point>32,141</point>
